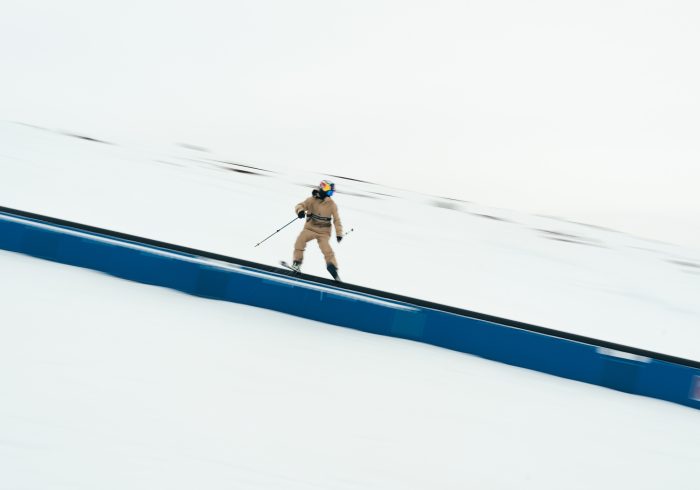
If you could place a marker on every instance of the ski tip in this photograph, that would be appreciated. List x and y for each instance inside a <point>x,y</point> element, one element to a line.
<point>286,265</point>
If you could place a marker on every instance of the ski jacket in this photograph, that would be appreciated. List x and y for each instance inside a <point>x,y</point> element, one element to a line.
<point>319,215</point>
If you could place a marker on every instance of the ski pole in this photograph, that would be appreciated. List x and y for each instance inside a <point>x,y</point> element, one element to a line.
<point>277,231</point>
<point>347,233</point>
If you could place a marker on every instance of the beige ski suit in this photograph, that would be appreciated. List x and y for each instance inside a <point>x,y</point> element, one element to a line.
<point>319,213</point>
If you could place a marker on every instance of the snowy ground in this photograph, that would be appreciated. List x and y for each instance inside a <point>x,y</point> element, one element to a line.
<point>111,384</point>
<point>535,269</point>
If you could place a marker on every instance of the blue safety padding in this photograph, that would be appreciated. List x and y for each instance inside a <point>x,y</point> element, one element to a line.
<point>509,344</point>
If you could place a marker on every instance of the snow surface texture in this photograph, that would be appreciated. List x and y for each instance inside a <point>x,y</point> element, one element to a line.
<point>111,384</point>
<point>541,270</point>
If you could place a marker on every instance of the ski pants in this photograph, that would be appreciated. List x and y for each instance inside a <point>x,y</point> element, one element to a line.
<point>323,239</point>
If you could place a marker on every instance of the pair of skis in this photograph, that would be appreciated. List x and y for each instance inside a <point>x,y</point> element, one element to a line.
<point>331,268</point>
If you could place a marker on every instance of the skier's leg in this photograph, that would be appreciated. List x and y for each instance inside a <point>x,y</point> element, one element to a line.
<point>328,255</point>
<point>325,246</point>
<point>300,245</point>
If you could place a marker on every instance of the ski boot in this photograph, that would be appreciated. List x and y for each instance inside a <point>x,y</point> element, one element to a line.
<point>334,271</point>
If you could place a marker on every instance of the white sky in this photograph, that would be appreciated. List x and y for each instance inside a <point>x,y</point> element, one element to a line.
<point>588,110</point>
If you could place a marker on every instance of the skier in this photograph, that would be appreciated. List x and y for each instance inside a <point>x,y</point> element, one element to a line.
<point>319,210</point>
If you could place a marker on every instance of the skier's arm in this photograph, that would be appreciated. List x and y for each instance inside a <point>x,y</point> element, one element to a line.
<point>336,222</point>
<point>302,206</point>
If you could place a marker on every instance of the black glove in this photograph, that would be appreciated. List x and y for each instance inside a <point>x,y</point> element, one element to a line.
<point>301,214</point>
<point>339,238</point>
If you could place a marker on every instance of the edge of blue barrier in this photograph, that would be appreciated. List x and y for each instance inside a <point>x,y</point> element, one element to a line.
<point>619,367</point>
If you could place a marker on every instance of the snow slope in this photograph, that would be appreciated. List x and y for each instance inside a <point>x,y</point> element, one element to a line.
<point>541,270</point>
<point>111,384</point>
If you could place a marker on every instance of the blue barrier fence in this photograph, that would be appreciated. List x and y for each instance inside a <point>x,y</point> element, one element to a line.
<point>596,362</point>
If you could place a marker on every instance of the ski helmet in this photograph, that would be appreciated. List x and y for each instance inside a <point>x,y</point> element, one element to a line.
<point>326,188</point>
